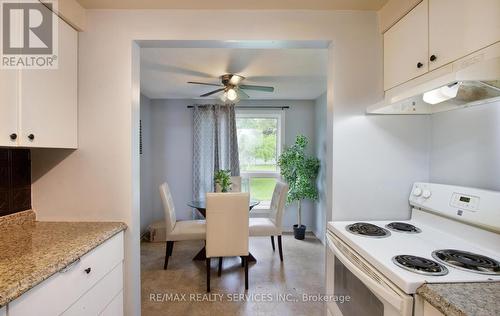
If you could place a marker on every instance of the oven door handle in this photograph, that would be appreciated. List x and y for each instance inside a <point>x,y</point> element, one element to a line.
<point>400,302</point>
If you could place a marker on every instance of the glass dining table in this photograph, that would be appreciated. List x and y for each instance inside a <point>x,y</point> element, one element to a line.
<point>200,205</point>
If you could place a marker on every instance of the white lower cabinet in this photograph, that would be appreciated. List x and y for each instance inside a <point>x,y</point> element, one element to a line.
<point>115,307</point>
<point>87,287</point>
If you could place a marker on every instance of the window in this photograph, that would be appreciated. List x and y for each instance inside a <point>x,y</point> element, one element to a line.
<point>259,145</point>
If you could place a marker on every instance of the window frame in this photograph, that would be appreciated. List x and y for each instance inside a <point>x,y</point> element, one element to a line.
<point>279,115</point>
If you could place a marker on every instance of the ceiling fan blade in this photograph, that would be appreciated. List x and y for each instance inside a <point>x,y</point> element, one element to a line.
<point>212,92</point>
<point>243,94</point>
<point>256,88</point>
<point>205,84</point>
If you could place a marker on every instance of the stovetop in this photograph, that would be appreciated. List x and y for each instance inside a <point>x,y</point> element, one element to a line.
<point>417,248</point>
<point>367,230</point>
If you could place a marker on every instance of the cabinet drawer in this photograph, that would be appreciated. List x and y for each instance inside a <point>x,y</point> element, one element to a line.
<point>115,308</point>
<point>101,295</point>
<point>54,295</point>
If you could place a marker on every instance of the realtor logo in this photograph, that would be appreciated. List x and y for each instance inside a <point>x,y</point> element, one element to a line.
<point>29,35</point>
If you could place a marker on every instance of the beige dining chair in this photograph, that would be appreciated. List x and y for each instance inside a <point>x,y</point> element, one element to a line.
<point>235,185</point>
<point>227,229</point>
<point>178,230</point>
<point>272,225</point>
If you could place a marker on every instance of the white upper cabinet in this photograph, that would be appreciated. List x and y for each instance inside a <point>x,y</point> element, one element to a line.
<point>406,47</point>
<point>460,27</point>
<point>49,98</point>
<point>9,83</point>
<point>436,33</point>
<point>38,107</point>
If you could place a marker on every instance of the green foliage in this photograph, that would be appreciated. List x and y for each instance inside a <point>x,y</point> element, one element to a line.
<point>257,140</point>
<point>262,188</point>
<point>299,171</point>
<point>223,178</point>
<point>267,149</point>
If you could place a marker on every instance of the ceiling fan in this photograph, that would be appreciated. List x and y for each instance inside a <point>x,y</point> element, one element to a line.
<point>232,88</point>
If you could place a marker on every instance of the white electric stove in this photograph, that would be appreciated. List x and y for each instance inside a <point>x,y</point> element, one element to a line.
<point>452,236</point>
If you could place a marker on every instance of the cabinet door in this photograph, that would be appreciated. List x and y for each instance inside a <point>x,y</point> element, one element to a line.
<point>49,98</point>
<point>406,48</point>
<point>9,83</point>
<point>460,27</point>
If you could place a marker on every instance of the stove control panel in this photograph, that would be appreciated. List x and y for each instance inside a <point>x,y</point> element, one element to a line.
<point>464,201</point>
<point>471,205</point>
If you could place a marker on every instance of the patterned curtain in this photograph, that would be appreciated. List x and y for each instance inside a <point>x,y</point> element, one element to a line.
<point>215,145</point>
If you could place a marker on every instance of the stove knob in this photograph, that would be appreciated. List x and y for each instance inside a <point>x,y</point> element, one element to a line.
<point>426,194</point>
<point>417,191</point>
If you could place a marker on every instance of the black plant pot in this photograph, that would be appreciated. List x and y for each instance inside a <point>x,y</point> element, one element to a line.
<point>299,232</point>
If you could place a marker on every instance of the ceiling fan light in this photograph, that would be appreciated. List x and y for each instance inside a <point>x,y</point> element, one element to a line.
<point>232,95</point>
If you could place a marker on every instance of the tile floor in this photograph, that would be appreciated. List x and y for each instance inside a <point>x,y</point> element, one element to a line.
<point>275,288</point>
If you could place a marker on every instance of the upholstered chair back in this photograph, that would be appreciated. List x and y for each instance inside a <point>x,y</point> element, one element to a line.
<point>227,224</point>
<point>168,207</point>
<point>278,203</point>
<point>235,184</point>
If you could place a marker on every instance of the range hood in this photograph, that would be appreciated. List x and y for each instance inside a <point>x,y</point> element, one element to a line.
<point>472,80</point>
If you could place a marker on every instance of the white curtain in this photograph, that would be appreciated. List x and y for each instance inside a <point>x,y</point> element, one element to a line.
<point>215,145</point>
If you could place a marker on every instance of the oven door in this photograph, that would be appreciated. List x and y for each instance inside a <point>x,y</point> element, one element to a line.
<point>369,292</point>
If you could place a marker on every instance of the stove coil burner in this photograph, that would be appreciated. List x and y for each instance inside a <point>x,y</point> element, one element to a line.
<point>368,230</point>
<point>403,228</point>
<point>420,265</point>
<point>467,261</point>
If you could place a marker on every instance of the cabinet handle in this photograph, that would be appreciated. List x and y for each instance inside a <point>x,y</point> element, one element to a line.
<point>87,270</point>
<point>31,136</point>
<point>419,65</point>
<point>433,58</point>
<point>13,136</point>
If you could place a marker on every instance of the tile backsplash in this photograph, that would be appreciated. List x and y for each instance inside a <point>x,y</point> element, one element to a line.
<point>15,180</point>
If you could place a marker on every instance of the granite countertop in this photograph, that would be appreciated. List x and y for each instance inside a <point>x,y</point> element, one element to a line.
<point>460,299</point>
<point>32,251</point>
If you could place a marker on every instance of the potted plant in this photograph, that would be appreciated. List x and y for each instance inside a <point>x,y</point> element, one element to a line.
<point>222,178</point>
<point>300,171</point>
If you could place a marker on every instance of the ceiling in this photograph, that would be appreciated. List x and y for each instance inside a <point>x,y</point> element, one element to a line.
<point>296,74</point>
<point>236,5</point>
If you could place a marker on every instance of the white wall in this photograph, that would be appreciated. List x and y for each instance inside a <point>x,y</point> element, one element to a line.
<point>172,150</point>
<point>466,147</point>
<point>172,139</point>
<point>375,158</point>
<point>320,111</point>
<point>100,180</point>
<point>147,171</point>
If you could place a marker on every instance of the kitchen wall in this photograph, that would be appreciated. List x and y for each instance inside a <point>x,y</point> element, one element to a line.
<point>321,152</point>
<point>101,180</point>
<point>466,147</point>
<point>375,158</point>
<point>171,142</point>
